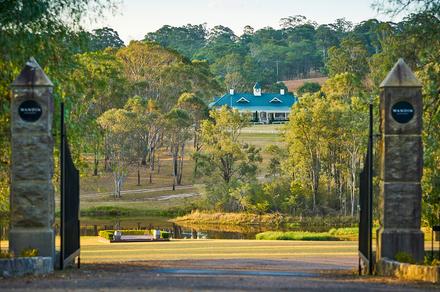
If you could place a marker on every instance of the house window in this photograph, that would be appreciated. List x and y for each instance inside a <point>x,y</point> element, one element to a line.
<point>242,100</point>
<point>276,100</point>
<point>280,116</point>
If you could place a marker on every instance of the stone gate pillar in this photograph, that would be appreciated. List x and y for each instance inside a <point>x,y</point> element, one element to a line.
<point>401,165</point>
<point>32,193</point>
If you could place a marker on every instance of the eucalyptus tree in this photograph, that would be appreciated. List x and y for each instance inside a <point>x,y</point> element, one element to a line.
<point>178,122</point>
<point>350,56</point>
<point>119,126</point>
<point>187,39</point>
<point>305,134</point>
<point>163,75</point>
<point>91,93</point>
<point>198,111</point>
<point>138,108</point>
<point>226,163</point>
<point>105,37</point>
<point>156,128</point>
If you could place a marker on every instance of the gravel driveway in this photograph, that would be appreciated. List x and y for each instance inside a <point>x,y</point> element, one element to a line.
<point>231,274</point>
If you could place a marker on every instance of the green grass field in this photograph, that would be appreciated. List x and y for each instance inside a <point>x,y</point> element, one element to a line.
<point>93,250</point>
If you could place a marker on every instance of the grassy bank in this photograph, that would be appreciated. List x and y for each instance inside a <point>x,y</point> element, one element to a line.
<point>350,233</point>
<point>199,217</point>
<point>295,235</point>
<point>273,219</point>
<point>112,211</point>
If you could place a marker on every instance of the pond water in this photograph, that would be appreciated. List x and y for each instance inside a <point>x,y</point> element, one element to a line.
<point>90,226</point>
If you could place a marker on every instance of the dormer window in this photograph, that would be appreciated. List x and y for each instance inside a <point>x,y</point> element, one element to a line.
<point>275,100</point>
<point>242,100</point>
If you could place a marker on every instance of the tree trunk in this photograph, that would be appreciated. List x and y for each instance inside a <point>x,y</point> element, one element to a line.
<point>139,174</point>
<point>106,163</point>
<point>180,169</point>
<point>158,164</point>
<point>95,163</point>
<point>174,149</point>
<point>151,165</point>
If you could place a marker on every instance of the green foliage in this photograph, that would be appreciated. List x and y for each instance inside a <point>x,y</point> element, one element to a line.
<point>105,37</point>
<point>344,231</point>
<point>29,252</point>
<point>119,126</point>
<point>116,211</point>
<point>51,32</point>
<point>309,87</point>
<point>103,211</point>
<point>326,138</point>
<point>187,39</point>
<point>295,235</point>
<point>350,56</point>
<point>242,218</point>
<point>163,74</point>
<point>404,257</point>
<point>229,167</point>
<point>432,259</point>
<point>108,234</point>
<point>6,254</point>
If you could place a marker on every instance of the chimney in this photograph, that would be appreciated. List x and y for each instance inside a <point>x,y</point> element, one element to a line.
<point>231,91</point>
<point>257,89</point>
<point>282,91</point>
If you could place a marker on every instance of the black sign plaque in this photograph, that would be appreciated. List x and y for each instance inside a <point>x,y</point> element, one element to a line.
<point>402,112</point>
<point>30,111</point>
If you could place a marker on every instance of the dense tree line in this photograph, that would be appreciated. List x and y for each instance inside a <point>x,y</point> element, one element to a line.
<point>300,48</point>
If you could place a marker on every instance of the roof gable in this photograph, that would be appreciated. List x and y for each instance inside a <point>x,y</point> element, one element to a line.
<point>267,101</point>
<point>275,99</point>
<point>242,99</point>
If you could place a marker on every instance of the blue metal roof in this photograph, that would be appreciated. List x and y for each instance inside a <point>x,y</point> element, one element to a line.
<point>256,103</point>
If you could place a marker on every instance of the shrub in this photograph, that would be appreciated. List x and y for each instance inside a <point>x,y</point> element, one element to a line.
<point>6,254</point>
<point>108,234</point>
<point>29,252</point>
<point>432,259</point>
<point>295,235</point>
<point>404,257</point>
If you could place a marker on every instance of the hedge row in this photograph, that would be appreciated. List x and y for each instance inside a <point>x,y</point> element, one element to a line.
<point>108,234</point>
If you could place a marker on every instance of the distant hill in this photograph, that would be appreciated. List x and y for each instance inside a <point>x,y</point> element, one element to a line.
<point>293,85</point>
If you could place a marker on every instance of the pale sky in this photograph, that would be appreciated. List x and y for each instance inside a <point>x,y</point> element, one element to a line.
<point>135,18</point>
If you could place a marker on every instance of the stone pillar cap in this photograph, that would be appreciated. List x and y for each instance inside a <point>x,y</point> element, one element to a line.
<point>32,75</point>
<point>400,76</point>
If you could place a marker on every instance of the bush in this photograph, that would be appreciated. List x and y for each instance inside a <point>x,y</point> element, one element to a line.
<point>432,259</point>
<point>108,234</point>
<point>404,257</point>
<point>309,87</point>
<point>6,255</point>
<point>295,235</point>
<point>29,252</point>
<point>115,211</point>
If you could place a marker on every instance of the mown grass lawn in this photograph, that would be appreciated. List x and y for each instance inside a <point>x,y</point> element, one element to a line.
<point>92,250</point>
